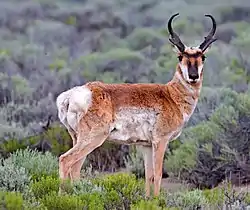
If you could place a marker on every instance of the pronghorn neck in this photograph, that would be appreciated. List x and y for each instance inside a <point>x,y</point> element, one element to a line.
<point>185,95</point>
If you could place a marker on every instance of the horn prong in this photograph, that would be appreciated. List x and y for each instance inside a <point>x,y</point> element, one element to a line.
<point>174,38</point>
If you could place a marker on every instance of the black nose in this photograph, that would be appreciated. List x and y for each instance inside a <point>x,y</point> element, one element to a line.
<point>193,76</point>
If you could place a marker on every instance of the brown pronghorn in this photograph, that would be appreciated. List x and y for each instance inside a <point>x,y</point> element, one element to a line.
<point>147,115</point>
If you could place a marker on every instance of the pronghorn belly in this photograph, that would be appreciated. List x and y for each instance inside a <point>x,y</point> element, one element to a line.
<point>133,126</point>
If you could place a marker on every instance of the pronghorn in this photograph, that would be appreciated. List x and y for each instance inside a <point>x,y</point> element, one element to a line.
<point>147,115</point>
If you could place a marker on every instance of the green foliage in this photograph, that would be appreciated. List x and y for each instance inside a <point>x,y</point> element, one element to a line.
<point>12,145</point>
<point>183,158</point>
<point>35,163</point>
<point>11,200</point>
<point>19,84</point>
<point>44,186</point>
<point>211,146</point>
<point>147,205</point>
<point>243,41</point>
<point>143,37</point>
<point>85,187</point>
<point>135,163</point>
<point>122,190</point>
<point>59,140</point>
<point>119,58</point>
<point>13,177</point>
<point>107,41</point>
<point>58,64</point>
<point>215,196</point>
<point>187,199</point>
<point>53,201</point>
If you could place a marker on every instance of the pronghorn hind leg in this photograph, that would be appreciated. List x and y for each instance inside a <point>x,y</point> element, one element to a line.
<point>73,135</point>
<point>75,171</point>
<point>86,143</point>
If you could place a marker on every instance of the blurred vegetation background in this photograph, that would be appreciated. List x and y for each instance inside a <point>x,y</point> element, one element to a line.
<point>47,47</point>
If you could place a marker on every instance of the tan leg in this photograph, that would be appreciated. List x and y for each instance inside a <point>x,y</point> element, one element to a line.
<point>158,156</point>
<point>85,145</point>
<point>148,165</point>
<point>75,172</point>
<point>73,136</point>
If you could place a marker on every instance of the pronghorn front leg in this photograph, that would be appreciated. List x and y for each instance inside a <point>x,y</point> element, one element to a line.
<point>158,156</point>
<point>148,165</point>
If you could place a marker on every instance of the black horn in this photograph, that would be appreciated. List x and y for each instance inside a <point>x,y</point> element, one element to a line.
<point>174,38</point>
<point>209,39</point>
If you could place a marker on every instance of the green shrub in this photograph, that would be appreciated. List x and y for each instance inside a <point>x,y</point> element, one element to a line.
<point>135,163</point>
<point>58,64</point>
<point>142,37</point>
<point>11,200</point>
<point>214,196</point>
<point>94,200</point>
<point>108,41</point>
<point>88,194</point>
<point>147,205</point>
<point>187,199</point>
<point>44,186</point>
<point>12,145</point>
<point>111,66</point>
<point>85,186</point>
<point>182,159</point>
<point>53,201</point>
<point>122,190</point>
<point>59,139</point>
<point>13,177</point>
<point>210,153</point>
<point>36,163</point>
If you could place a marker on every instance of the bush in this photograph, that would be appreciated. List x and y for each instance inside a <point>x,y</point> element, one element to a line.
<point>44,186</point>
<point>35,163</point>
<point>147,205</point>
<point>143,37</point>
<point>122,190</point>
<point>85,187</point>
<point>53,201</point>
<point>135,163</point>
<point>114,65</point>
<point>187,200</point>
<point>13,177</point>
<point>11,200</point>
<point>215,197</point>
<point>210,153</point>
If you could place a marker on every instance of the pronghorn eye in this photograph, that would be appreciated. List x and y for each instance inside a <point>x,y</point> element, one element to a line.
<point>203,57</point>
<point>180,57</point>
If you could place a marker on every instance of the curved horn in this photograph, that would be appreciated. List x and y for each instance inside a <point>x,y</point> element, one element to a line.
<point>209,38</point>
<point>174,37</point>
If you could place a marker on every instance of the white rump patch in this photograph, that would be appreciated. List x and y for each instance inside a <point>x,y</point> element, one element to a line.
<point>72,104</point>
<point>132,125</point>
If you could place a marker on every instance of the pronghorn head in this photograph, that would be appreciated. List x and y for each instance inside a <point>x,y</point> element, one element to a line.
<point>191,59</point>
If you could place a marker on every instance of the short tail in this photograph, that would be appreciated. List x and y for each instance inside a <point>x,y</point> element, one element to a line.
<point>72,104</point>
<point>62,103</point>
